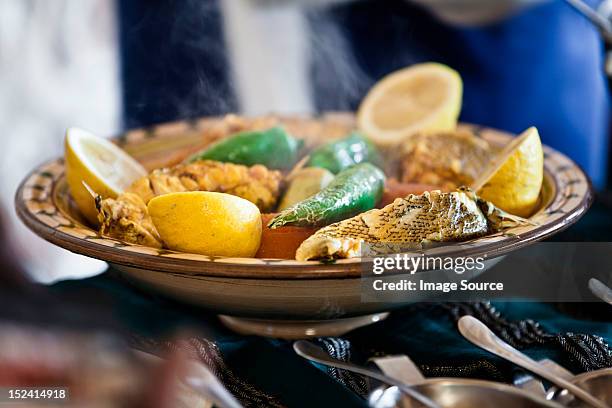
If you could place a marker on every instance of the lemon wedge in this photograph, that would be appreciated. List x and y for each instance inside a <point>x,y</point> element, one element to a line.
<point>421,98</point>
<point>208,223</point>
<point>96,162</point>
<point>514,179</point>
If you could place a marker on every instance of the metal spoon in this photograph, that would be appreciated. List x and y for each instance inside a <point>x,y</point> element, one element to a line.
<point>479,334</point>
<point>600,290</point>
<point>315,353</point>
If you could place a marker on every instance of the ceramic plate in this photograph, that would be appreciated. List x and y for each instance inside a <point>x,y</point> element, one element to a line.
<point>266,287</point>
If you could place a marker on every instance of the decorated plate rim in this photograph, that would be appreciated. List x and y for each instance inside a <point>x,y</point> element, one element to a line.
<point>36,207</point>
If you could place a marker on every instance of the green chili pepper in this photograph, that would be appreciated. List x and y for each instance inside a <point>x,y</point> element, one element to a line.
<point>274,148</point>
<point>353,191</point>
<point>338,155</point>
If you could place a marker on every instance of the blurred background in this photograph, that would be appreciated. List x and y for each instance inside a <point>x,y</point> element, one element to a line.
<point>112,65</point>
<point>109,65</point>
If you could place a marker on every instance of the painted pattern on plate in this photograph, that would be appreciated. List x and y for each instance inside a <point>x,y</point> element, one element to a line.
<point>44,204</point>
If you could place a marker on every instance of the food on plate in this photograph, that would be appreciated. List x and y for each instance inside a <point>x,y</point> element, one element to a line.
<point>354,190</point>
<point>208,223</point>
<point>446,159</point>
<point>413,212</point>
<point>273,148</point>
<point>421,98</point>
<point>127,218</point>
<point>395,189</point>
<point>324,199</point>
<point>514,180</point>
<point>256,183</point>
<point>337,155</point>
<point>281,243</point>
<point>304,183</point>
<point>431,217</point>
<point>510,178</point>
<point>99,164</point>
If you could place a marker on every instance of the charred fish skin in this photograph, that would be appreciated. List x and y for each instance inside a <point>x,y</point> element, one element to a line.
<point>416,219</point>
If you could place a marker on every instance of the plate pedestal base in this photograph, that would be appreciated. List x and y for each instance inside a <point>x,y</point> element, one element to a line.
<point>298,329</point>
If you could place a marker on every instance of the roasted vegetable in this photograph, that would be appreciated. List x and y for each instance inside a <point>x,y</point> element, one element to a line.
<point>274,148</point>
<point>281,243</point>
<point>354,190</point>
<point>303,184</point>
<point>338,155</point>
<point>407,223</point>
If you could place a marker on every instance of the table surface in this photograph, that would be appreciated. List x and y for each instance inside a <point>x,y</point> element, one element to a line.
<point>426,332</point>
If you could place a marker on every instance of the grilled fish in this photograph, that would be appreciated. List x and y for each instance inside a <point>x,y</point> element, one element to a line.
<point>447,159</point>
<point>408,222</point>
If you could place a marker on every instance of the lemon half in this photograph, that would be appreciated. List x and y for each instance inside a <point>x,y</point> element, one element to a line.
<point>99,164</point>
<point>421,98</point>
<point>514,179</point>
<point>208,223</point>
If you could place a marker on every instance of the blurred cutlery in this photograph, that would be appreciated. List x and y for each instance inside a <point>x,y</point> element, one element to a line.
<point>315,353</point>
<point>204,382</point>
<point>479,334</point>
<point>535,385</point>
<point>600,290</point>
<point>201,381</point>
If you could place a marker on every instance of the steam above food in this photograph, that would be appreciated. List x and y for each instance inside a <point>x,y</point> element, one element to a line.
<point>375,190</point>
